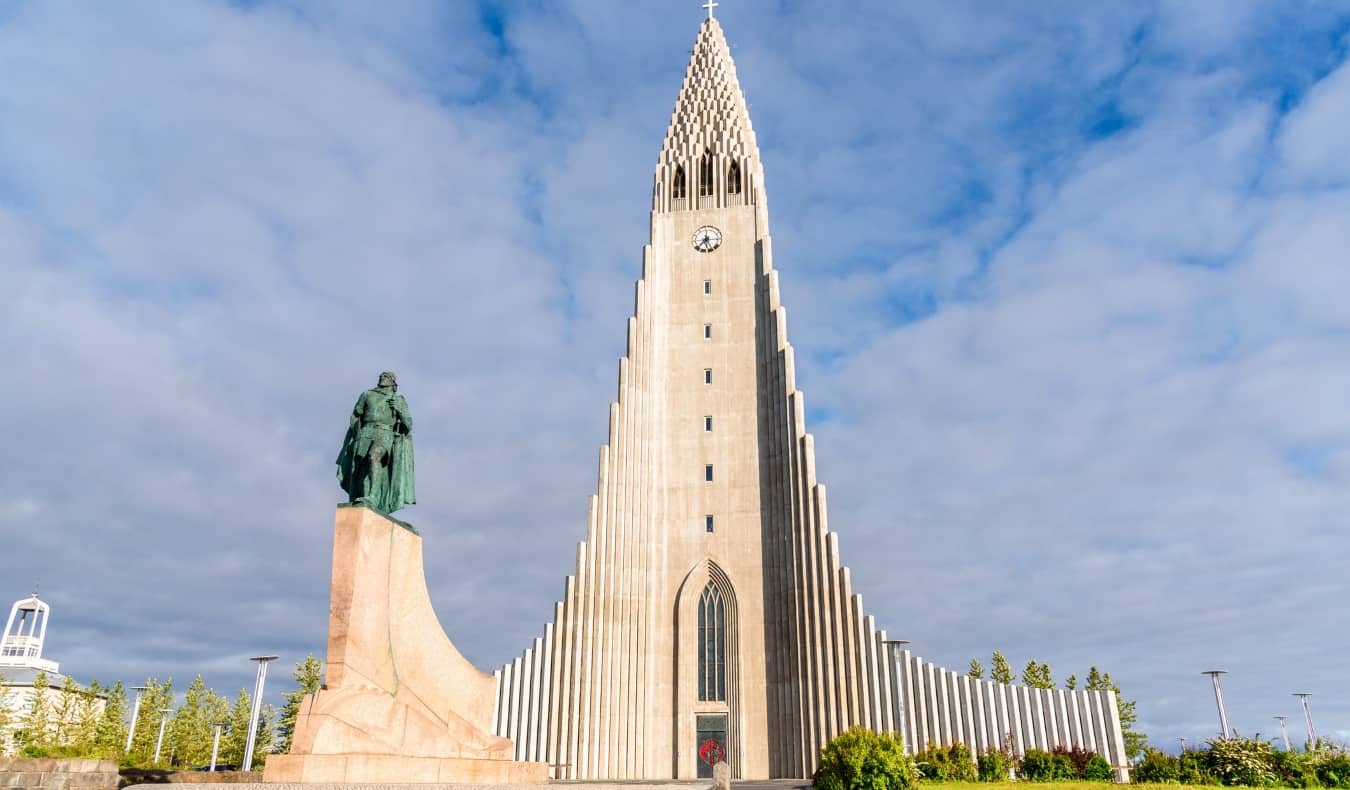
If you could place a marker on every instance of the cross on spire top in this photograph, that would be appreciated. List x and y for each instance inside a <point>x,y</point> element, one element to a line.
<point>710,5</point>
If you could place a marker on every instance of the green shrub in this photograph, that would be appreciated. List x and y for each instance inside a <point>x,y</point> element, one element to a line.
<point>1293,769</point>
<point>993,766</point>
<point>1098,770</point>
<point>859,759</point>
<point>1193,766</point>
<point>1037,766</point>
<point>1241,761</point>
<point>1042,766</point>
<point>1156,768</point>
<point>1064,767</point>
<point>953,763</point>
<point>1332,767</point>
<point>1077,758</point>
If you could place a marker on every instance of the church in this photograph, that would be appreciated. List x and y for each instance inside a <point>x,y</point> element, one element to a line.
<point>710,618</point>
<point>26,678</point>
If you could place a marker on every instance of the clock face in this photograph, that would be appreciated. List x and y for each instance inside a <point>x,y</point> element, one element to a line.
<point>707,238</point>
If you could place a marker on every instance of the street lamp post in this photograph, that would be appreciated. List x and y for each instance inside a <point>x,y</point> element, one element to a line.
<point>263,661</point>
<point>1284,731</point>
<point>135,711</point>
<point>159,742</point>
<point>215,745</point>
<point>1307,716</point>
<point>1218,698</point>
<point>894,645</point>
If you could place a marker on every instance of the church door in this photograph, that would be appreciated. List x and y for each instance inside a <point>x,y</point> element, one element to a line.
<point>712,742</point>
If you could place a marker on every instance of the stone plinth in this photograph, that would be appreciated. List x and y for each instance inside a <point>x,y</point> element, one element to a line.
<point>401,704</point>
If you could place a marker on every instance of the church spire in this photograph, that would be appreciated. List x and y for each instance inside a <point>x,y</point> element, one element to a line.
<point>709,143</point>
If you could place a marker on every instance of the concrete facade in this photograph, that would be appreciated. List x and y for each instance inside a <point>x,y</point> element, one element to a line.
<point>708,510</point>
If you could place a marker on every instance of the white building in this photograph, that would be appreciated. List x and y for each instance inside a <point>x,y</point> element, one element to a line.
<point>21,663</point>
<point>710,615</point>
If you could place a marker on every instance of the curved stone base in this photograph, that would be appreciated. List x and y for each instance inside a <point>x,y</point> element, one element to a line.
<point>401,704</point>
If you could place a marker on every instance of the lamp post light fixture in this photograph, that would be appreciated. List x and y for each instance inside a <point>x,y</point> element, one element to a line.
<point>263,661</point>
<point>215,745</point>
<point>1307,716</point>
<point>1284,731</point>
<point>894,645</point>
<point>1218,698</point>
<point>135,711</point>
<point>159,742</point>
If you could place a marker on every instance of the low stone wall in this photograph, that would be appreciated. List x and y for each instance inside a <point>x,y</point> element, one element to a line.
<point>150,776</point>
<point>49,773</point>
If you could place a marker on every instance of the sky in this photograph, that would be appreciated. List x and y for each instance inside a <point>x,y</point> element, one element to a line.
<point>1067,285</point>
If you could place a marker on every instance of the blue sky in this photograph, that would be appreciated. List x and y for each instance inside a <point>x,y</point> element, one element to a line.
<point>1067,286</point>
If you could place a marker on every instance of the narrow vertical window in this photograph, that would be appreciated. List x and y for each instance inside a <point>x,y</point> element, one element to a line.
<point>677,183</point>
<point>712,644</point>
<point>708,523</point>
<point>734,179</point>
<point>705,174</point>
<point>707,473</point>
<point>707,331</point>
<point>707,424</point>
<point>707,287</point>
<point>707,375</point>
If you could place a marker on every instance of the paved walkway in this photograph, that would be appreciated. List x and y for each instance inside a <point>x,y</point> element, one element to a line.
<point>701,784</point>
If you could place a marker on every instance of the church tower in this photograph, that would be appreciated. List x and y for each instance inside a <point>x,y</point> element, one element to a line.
<point>25,631</point>
<point>709,617</point>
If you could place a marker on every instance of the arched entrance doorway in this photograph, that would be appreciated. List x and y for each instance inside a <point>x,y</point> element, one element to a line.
<point>707,695</point>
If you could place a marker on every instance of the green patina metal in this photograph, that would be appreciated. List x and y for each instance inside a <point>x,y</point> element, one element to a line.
<point>375,466</point>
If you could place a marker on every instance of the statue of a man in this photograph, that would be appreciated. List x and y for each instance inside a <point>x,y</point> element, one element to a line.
<point>375,466</point>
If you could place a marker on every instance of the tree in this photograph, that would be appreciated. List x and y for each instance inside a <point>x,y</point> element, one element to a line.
<point>156,697</point>
<point>64,722</point>
<point>7,716</point>
<point>1071,682</point>
<point>1134,741</point>
<point>1095,680</point>
<point>193,727</point>
<point>267,737</point>
<point>976,669</point>
<point>1037,675</point>
<point>77,724</point>
<point>75,717</point>
<point>1001,671</point>
<point>235,737</point>
<point>111,733</point>
<point>308,675</point>
<point>36,728</point>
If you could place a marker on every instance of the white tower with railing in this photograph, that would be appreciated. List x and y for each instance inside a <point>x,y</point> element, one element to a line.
<point>25,629</point>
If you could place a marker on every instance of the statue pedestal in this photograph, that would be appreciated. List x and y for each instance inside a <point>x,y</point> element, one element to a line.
<point>400,705</point>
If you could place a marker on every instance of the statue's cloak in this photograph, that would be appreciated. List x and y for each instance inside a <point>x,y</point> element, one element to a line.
<point>399,489</point>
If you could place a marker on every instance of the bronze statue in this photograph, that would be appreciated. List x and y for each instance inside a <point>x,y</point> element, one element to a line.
<point>375,466</point>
